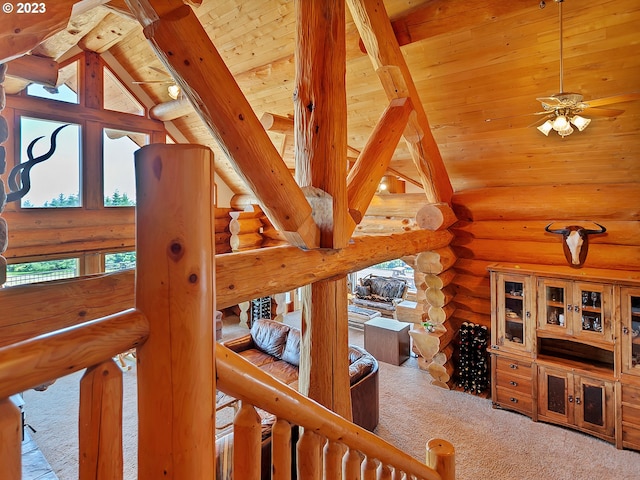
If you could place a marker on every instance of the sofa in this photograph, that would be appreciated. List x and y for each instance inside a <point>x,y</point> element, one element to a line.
<point>275,348</point>
<point>381,294</point>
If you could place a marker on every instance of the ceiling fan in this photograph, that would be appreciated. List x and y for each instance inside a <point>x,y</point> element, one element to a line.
<point>561,110</point>
<point>173,89</point>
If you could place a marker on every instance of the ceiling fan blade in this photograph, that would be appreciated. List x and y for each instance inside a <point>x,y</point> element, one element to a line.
<point>143,82</point>
<point>495,119</point>
<point>601,112</point>
<point>625,97</point>
<point>158,70</point>
<point>549,115</point>
<point>551,101</point>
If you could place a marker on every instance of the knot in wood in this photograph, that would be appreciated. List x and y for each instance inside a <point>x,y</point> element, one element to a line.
<point>175,250</point>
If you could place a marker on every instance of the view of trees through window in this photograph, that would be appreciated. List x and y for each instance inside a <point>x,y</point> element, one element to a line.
<point>114,262</point>
<point>32,272</point>
<point>55,182</point>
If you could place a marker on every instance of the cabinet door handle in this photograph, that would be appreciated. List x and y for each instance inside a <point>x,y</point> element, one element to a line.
<point>513,384</point>
<point>513,399</point>
<point>578,400</point>
<point>528,314</point>
<point>513,366</point>
<point>625,330</point>
<point>570,398</point>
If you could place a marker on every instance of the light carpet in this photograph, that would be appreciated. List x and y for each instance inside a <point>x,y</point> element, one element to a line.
<point>489,443</point>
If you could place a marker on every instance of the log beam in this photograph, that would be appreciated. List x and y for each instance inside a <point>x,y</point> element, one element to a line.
<point>19,36</point>
<point>373,161</point>
<point>300,267</point>
<point>32,68</point>
<point>372,21</point>
<point>167,111</point>
<point>186,50</point>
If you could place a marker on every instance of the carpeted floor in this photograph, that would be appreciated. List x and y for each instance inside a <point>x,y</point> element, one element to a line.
<point>489,443</point>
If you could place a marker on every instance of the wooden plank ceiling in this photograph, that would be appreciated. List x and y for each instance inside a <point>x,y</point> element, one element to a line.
<point>470,62</point>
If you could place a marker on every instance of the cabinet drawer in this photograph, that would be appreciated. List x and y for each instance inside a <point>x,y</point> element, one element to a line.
<point>515,400</point>
<point>631,436</point>
<point>508,380</point>
<point>518,367</point>
<point>631,414</point>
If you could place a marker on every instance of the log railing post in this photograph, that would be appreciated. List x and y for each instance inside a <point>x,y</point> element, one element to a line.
<point>175,290</point>
<point>441,456</point>
<point>10,440</point>
<point>100,423</point>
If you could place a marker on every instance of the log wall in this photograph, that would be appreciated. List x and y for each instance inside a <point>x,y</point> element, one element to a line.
<point>506,224</point>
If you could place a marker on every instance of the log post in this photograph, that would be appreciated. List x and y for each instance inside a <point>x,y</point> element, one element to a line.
<point>437,300</point>
<point>247,435</point>
<point>10,440</point>
<point>320,129</point>
<point>441,456</point>
<point>175,290</point>
<point>100,422</point>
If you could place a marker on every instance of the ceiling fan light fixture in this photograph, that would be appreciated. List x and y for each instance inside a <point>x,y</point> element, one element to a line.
<point>174,91</point>
<point>566,131</point>
<point>580,122</point>
<point>546,127</point>
<point>560,123</point>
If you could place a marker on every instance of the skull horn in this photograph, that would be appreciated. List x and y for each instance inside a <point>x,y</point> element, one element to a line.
<point>602,229</point>
<point>562,231</point>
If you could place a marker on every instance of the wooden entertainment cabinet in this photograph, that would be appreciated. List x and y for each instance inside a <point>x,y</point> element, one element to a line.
<point>565,347</point>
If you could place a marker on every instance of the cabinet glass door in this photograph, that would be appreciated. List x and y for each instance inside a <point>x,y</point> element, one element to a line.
<point>513,313</point>
<point>630,312</point>
<point>594,401</point>
<point>556,394</point>
<point>591,306</point>
<point>554,297</point>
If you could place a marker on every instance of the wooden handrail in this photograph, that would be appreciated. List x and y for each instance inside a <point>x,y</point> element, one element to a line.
<point>32,362</point>
<point>241,379</point>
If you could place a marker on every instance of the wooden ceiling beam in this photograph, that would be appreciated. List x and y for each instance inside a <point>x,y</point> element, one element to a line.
<point>373,161</point>
<point>281,269</point>
<point>372,21</point>
<point>182,44</point>
<point>19,35</point>
<point>113,28</point>
<point>36,69</point>
<point>171,110</point>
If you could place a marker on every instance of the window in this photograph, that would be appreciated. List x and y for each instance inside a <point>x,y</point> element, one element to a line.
<point>67,89</point>
<point>117,97</point>
<point>33,272</point>
<point>55,182</point>
<point>114,262</point>
<point>392,268</point>
<point>118,166</point>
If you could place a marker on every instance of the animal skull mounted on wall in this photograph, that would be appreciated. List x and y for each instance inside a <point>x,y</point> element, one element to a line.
<point>575,242</point>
